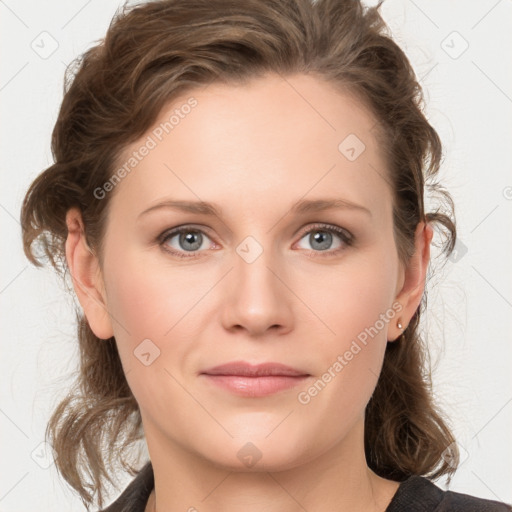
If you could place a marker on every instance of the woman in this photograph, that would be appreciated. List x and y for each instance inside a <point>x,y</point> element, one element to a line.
<point>237,195</point>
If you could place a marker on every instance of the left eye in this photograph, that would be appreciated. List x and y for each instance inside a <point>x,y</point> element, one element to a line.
<point>190,240</point>
<point>320,238</point>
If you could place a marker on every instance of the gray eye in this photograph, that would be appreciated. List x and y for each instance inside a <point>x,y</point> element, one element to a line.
<point>322,239</point>
<point>190,241</point>
<point>185,240</point>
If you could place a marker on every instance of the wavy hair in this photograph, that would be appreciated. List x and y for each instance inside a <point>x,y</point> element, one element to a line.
<point>154,52</point>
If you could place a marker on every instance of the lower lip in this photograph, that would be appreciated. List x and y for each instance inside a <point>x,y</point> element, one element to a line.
<point>255,386</point>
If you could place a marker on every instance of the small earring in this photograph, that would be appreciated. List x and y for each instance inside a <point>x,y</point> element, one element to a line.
<point>399,325</point>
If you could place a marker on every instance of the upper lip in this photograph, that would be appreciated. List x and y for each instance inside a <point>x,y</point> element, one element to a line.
<point>245,369</point>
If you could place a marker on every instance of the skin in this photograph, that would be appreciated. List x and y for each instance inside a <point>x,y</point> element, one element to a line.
<point>254,150</point>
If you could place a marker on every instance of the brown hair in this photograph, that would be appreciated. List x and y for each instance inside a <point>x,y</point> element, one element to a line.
<point>151,54</point>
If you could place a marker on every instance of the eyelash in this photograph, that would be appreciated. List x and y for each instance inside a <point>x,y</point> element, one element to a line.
<point>346,237</point>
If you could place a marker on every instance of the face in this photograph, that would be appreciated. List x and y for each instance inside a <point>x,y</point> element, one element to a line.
<point>269,277</point>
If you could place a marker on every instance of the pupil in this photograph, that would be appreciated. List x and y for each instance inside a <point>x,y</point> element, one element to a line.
<point>189,238</point>
<point>323,238</point>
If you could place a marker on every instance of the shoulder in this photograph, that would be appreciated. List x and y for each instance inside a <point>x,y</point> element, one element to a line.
<point>135,497</point>
<point>421,495</point>
<point>456,501</point>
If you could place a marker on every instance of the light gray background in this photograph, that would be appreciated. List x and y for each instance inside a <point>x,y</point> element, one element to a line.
<point>469,102</point>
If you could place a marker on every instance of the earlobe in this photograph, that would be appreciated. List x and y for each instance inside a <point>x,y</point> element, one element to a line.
<point>400,329</point>
<point>86,275</point>
<point>414,279</point>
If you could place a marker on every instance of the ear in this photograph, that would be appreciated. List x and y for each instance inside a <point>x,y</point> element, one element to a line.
<point>413,279</point>
<point>86,274</point>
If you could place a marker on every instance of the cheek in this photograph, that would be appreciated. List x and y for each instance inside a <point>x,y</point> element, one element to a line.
<point>358,310</point>
<point>147,299</point>
<point>158,313</point>
<point>145,303</point>
<point>357,300</point>
<point>350,366</point>
<point>148,307</point>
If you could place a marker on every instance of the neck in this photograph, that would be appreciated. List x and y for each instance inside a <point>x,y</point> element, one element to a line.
<point>336,480</point>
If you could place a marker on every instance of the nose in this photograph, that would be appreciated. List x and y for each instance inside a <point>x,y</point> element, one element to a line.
<point>257,299</point>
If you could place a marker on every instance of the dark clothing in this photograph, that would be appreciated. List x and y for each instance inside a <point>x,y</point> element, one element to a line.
<point>416,494</point>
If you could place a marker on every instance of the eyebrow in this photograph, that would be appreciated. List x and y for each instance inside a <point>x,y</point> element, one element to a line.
<point>300,207</point>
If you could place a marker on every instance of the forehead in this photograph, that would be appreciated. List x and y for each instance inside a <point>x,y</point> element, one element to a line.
<point>272,138</point>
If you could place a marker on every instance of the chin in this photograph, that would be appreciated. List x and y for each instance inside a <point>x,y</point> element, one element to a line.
<point>257,452</point>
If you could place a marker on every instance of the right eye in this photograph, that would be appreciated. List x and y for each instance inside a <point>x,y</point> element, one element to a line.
<point>182,240</point>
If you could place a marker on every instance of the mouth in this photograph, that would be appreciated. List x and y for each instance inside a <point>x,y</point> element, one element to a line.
<point>260,380</point>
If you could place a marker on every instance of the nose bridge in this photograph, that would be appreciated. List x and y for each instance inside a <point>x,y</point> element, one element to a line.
<point>258,299</point>
<point>254,258</point>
